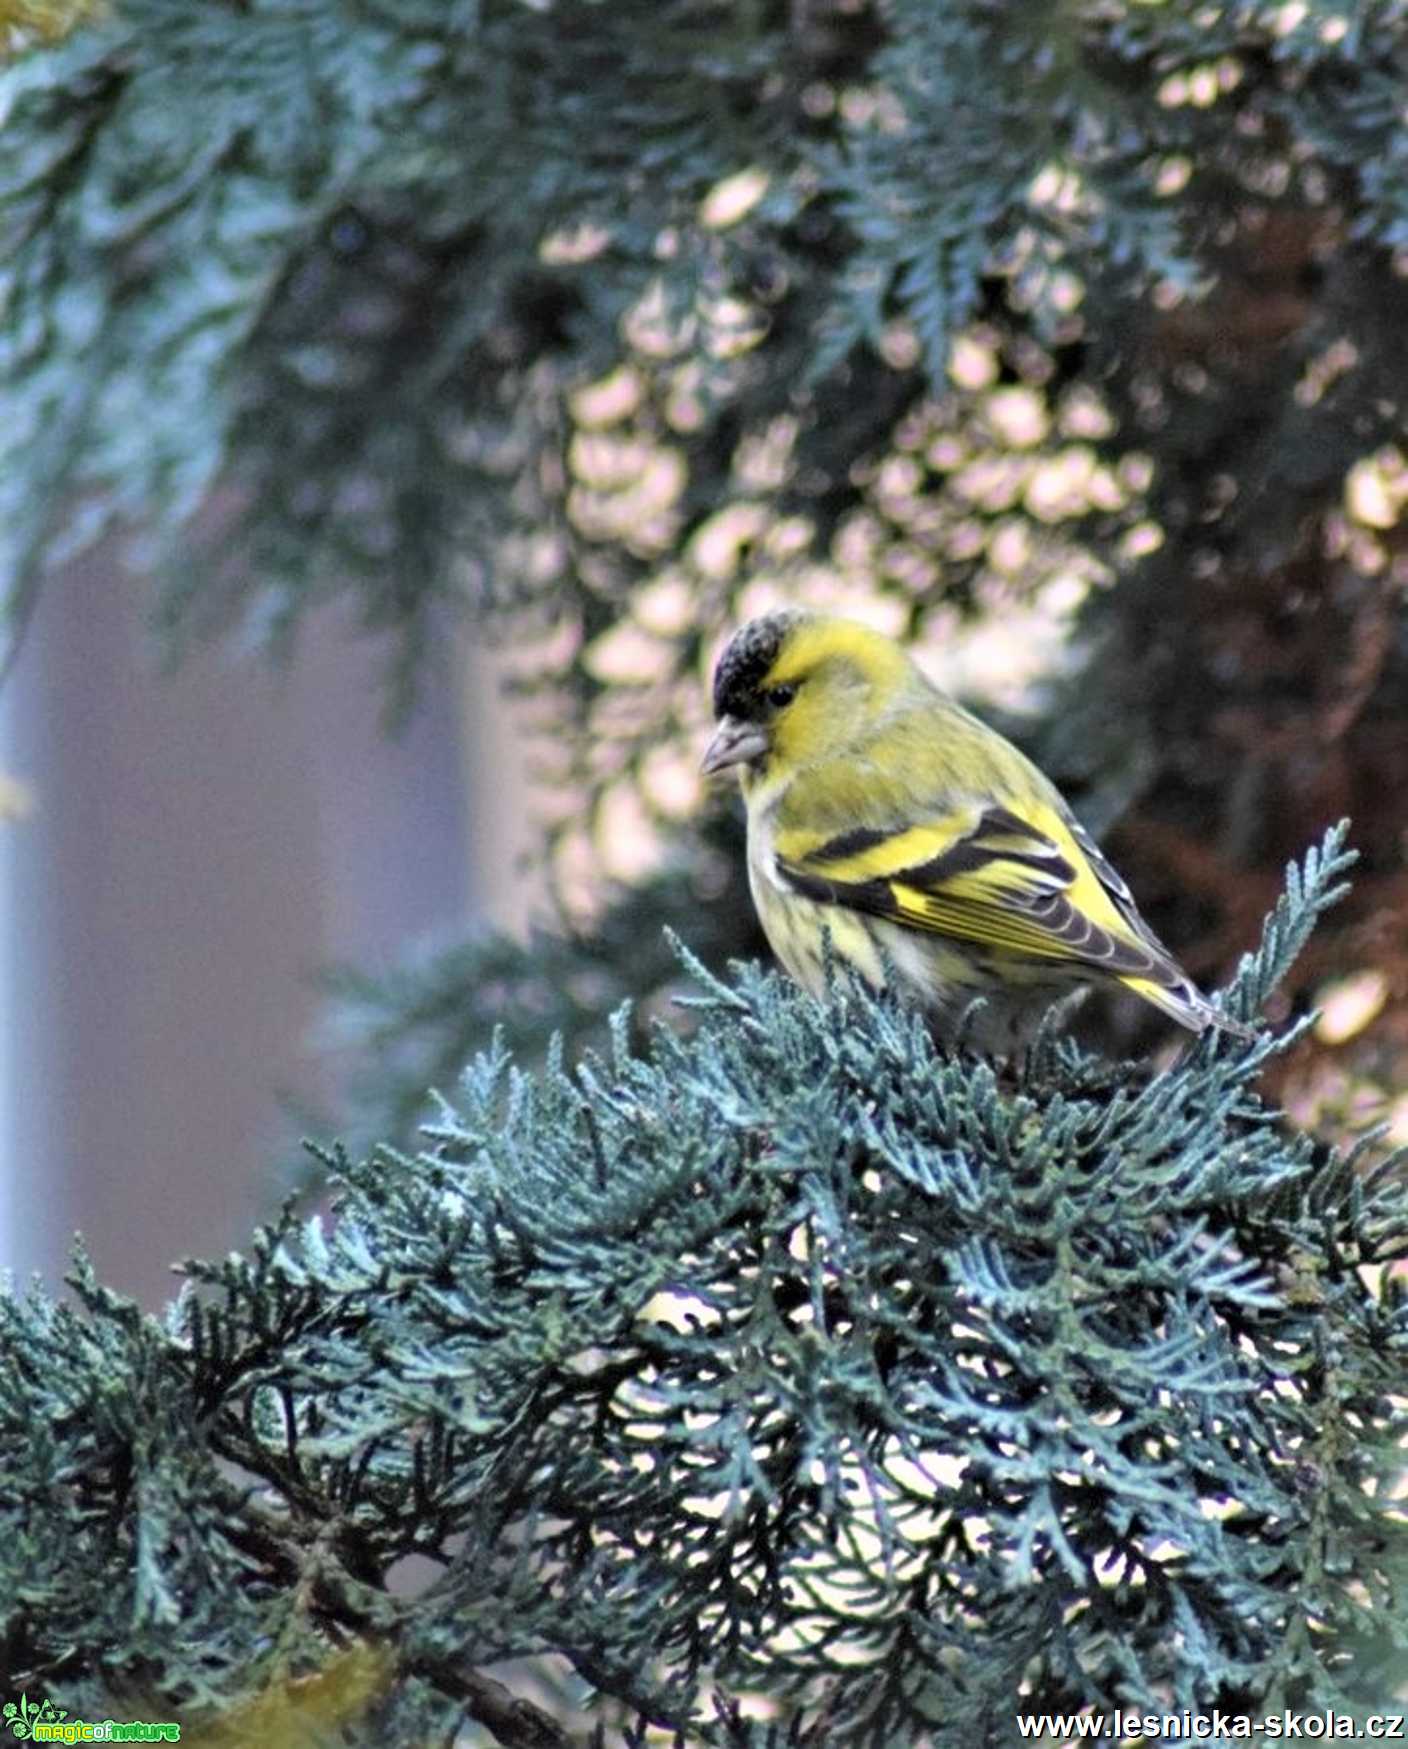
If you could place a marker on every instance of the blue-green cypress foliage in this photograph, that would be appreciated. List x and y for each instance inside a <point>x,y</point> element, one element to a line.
<point>787,1358</point>
<point>1061,1389</point>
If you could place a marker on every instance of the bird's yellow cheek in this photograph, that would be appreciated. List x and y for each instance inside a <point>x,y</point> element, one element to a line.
<point>809,726</point>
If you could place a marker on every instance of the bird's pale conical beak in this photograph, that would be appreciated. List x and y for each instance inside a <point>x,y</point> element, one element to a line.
<point>734,743</point>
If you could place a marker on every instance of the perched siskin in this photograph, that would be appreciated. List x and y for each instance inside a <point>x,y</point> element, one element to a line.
<point>880,810</point>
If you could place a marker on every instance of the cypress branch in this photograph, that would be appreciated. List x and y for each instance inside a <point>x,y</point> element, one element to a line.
<point>790,1357</point>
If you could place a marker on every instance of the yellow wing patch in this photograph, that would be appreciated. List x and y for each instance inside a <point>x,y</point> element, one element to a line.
<point>986,876</point>
<point>867,853</point>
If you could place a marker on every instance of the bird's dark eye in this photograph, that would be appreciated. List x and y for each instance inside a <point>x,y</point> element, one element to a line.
<point>777,696</point>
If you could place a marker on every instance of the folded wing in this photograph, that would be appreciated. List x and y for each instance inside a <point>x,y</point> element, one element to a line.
<point>1035,888</point>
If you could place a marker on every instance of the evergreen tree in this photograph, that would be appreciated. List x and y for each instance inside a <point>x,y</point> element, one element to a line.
<point>786,1359</point>
<point>792,1363</point>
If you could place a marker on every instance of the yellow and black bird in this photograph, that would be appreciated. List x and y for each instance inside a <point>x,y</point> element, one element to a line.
<point>881,811</point>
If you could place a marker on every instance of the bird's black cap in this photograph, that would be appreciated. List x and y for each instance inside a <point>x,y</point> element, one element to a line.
<point>746,661</point>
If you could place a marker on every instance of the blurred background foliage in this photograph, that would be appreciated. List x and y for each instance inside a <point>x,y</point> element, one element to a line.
<point>1065,340</point>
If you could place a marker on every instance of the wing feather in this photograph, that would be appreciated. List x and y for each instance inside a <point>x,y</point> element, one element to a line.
<point>986,876</point>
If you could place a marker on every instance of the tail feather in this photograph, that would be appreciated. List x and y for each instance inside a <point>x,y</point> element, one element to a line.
<point>1181,999</point>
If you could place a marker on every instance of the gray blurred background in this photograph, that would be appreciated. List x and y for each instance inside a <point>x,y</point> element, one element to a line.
<point>199,844</point>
